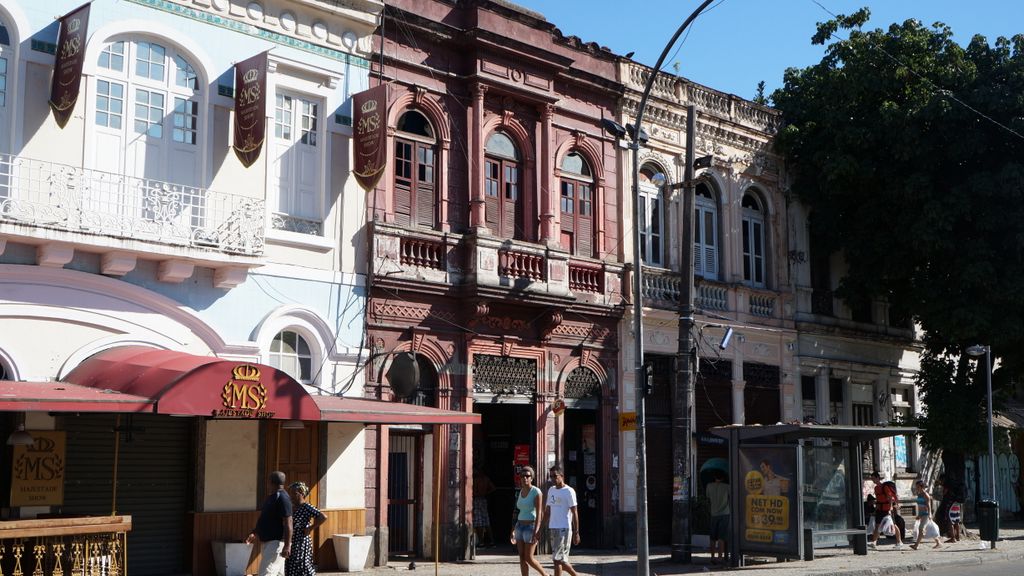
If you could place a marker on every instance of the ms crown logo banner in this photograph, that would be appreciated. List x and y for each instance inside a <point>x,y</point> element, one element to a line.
<point>244,396</point>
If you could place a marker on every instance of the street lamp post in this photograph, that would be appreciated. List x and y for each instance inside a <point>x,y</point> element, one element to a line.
<point>642,550</point>
<point>976,351</point>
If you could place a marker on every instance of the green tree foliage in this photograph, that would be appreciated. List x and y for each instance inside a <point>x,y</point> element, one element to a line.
<point>908,150</point>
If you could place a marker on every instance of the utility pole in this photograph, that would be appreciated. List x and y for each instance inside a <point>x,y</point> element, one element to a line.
<point>682,397</point>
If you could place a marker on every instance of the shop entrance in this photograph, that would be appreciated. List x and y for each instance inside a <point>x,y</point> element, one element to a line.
<point>405,495</point>
<point>583,471</point>
<point>154,482</point>
<point>503,440</point>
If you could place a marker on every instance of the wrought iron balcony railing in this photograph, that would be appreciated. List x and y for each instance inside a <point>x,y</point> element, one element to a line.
<point>57,196</point>
<point>92,546</point>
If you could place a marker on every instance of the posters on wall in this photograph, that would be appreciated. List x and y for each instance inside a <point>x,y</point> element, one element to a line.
<point>770,504</point>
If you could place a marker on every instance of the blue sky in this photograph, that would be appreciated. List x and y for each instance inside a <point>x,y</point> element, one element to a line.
<point>741,42</point>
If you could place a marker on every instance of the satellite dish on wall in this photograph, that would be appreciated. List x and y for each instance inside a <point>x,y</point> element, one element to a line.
<point>404,374</point>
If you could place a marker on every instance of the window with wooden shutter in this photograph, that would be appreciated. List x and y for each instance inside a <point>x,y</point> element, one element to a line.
<point>705,234</point>
<point>501,187</point>
<point>652,223</point>
<point>577,205</point>
<point>415,192</point>
<point>753,241</point>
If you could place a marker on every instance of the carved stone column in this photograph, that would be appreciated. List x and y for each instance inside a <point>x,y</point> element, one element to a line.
<point>477,209</point>
<point>548,214</point>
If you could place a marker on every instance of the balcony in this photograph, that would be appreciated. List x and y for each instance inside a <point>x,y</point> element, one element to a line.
<point>492,268</point>
<point>661,289</point>
<point>55,547</point>
<point>43,201</point>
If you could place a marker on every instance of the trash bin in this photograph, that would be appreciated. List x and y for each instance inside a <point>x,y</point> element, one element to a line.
<point>988,520</point>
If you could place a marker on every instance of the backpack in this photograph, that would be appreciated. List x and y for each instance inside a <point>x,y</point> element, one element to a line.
<point>888,496</point>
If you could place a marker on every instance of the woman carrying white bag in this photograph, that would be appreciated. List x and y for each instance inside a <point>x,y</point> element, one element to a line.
<point>926,527</point>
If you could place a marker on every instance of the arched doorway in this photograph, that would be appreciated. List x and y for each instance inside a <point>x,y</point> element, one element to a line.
<point>582,451</point>
<point>408,476</point>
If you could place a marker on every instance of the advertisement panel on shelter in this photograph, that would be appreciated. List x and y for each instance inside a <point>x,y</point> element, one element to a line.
<point>770,499</point>
<point>37,470</point>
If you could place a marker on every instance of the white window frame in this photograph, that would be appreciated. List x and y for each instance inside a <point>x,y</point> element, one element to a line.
<point>318,85</point>
<point>9,54</point>
<point>753,230</point>
<point>705,209</point>
<point>167,87</point>
<point>649,194</point>
<point>276,358</point>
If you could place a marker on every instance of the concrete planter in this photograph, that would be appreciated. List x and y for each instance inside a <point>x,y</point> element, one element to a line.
<point>231,558</point>
<point>351,551</point>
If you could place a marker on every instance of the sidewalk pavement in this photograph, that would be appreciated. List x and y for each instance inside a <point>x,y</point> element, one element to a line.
<point>831,562</point>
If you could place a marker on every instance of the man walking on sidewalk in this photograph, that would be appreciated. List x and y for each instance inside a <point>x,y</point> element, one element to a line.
<point>887,503</point>
<point>563,520</point>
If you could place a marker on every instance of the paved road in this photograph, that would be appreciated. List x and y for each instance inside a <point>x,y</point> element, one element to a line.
<point>966,557</point>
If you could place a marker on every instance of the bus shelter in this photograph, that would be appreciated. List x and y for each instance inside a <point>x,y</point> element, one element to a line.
<point>797,487</point>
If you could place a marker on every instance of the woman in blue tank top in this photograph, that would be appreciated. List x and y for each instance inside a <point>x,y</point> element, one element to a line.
<point>924,512</point>
<point>528,516</point>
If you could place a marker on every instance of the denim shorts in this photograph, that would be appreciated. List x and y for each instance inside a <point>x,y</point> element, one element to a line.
<point>524,532</point>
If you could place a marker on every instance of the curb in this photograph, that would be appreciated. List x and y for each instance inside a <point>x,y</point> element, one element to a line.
<point>925,566</point>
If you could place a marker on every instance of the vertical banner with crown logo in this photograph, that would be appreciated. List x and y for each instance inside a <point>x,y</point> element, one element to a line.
<point>37,470</point>
<point>370,135</point>
<point>67,70</point>
<point>250,108</point>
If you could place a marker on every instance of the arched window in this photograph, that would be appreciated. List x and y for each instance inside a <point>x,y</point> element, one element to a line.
<point>705,233</point>
<point>577,205</point>
<point>502,195</point>
<point>652,223</point>
<point>582,382</point>
<point>147,107</point>
<point>753,240</point>
<point>290,353</point>
<point>415,170</point>
<point>6,67</point>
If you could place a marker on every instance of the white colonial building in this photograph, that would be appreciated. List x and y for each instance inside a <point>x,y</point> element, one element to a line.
<point>146,273</point>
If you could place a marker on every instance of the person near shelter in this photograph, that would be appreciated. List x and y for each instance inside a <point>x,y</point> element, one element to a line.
<point>887,504</point>
<point>274,528</point>
<point>924,513</point>
<point>718,504</point>
<point>563,520</point>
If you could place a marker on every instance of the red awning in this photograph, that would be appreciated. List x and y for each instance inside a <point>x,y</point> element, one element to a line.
<point>341,409</point>
<point>184,384</point>
<point>65,397</point>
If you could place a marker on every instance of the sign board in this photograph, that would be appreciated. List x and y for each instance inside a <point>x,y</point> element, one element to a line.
<point>520,458</point>
<point>250,108</point>
<point>369,138</point>
<point>37,470</point>
<point>67,69</point>
<point>770,500</point>
<point>627,421</point>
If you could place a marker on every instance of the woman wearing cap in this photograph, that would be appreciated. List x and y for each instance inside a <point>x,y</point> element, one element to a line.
<point>305,519</point>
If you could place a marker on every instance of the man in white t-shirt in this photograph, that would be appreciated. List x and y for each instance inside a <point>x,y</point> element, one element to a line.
<point>563,520</point>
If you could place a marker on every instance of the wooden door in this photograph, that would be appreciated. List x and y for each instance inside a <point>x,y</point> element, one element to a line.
<point>296,453</point>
